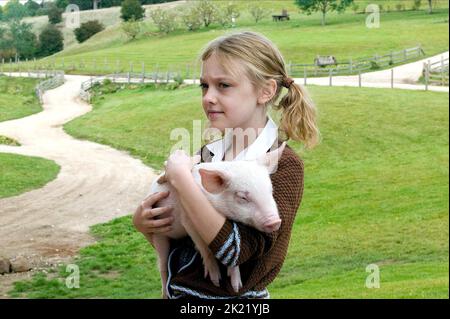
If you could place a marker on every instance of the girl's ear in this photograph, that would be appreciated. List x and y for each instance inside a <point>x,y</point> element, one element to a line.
<point>268,91</point>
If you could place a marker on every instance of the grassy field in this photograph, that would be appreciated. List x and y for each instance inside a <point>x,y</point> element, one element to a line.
<point>300,39</point>
<point>17,98</point>
<point>376,192</point>
<point>20,174</point>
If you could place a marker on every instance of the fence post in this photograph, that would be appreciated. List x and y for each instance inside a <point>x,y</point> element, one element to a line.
<point>359,78</point>
<point>427,74</point>
<point>304,75</point>
<point>392,78</point>
<point>331,77</point>
<point>143,72</point>
<point>404,54</point>
<point>187,71</point>
<point>3,62</point>
<point>442,70</point>
<point>351,65</point>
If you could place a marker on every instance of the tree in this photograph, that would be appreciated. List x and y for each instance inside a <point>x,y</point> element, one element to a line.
<point>23,39</point>
<point>54,14</point>
<point>87,30</point>
<point>430,6</point>
<point>50,41</point>
<point>62,4</point>
<point>208,11</point>
<point>228,14</point>
<point>191,18</point>
<point>258,12</point>
<point>14,10</point>
<point>31,7</point>
<point>324,6</point>
<point>132,9</point>
<point>1,13</point>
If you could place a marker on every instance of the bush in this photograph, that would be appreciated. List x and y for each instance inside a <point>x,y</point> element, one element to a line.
<point>131,28</point>
<point>131,9</point>
<point>54,14</point>
<point>416,5</point>
<point>87,30</point>
<point>50,41</point>
<point>164,20</point>
<point>191,18</point>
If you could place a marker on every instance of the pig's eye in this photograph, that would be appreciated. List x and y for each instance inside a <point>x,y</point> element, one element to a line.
<point>242,197</point>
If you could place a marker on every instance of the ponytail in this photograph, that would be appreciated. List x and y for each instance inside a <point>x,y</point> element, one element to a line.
<point>298,115</point>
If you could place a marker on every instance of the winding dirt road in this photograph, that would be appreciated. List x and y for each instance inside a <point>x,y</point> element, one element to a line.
<point>96,183</point>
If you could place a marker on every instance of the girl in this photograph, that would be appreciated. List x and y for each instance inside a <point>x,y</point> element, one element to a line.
<point>242,74</point>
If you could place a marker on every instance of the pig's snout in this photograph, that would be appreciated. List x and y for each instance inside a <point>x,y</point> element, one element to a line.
<point>272,225</point>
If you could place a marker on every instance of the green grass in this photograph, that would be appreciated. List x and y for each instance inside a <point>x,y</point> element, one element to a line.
<point>300,40</point>
<point>17,98</point>
<point>376,192</point>
<point>8,141</point>
<point>20,174</point>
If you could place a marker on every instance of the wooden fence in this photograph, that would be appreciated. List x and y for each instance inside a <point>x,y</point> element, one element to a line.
<point>436,73</point>
<point>128,78</point>
<point>356,66</point>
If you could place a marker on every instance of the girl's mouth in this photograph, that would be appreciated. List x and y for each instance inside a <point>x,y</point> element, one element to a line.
<point>213,115</point>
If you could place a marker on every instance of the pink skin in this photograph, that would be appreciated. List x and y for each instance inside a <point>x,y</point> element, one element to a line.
<point>230,103</point>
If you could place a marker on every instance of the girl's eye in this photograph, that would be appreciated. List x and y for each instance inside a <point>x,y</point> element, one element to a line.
<point>204,85</point>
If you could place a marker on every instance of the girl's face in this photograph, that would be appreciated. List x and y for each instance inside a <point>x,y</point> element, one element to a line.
<point>228,102</point>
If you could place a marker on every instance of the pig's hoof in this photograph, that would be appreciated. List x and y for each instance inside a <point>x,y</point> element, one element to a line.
<point>212,269</point>
<point>236,283</point>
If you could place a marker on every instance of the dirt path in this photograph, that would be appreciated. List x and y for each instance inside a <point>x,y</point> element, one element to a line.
<point>96,184</point>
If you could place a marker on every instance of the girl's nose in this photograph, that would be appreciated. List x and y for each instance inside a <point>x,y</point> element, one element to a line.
<point>210,97</point>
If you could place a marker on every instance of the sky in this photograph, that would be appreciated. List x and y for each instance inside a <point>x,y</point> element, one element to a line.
<point>3,2</point>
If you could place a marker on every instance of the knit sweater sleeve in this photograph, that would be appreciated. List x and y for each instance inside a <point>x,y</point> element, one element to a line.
<point>237,243</point>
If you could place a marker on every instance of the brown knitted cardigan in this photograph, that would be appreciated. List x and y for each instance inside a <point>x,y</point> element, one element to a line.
<point>261,255</point>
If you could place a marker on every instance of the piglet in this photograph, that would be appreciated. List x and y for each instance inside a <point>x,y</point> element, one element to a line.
<point>239,190</point>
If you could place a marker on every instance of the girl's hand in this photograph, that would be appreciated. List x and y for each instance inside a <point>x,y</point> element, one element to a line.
<point>178,164</point>
<point>144,217</point>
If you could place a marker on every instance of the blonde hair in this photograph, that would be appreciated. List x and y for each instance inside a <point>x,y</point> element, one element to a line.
<point>262,61</point>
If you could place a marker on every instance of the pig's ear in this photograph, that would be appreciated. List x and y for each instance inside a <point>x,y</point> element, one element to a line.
<point>270,160</point>
<point>214,181</point>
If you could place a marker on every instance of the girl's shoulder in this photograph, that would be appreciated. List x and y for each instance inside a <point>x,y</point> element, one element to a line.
<point>290,158</point>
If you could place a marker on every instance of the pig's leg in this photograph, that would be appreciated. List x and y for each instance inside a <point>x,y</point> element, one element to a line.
<point>235,275</point>
<point>209,260</point>
<point>162,246</point>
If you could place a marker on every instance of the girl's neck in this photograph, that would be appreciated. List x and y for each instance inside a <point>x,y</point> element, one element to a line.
<point>243,138</point>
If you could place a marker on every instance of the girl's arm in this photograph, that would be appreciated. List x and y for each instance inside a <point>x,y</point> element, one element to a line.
<point>203,216</point>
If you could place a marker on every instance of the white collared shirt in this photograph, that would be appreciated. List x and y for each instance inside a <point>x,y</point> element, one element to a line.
<point>260,146</point>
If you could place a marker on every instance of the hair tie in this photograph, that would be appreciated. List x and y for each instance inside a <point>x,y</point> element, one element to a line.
<point>287,82</point>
